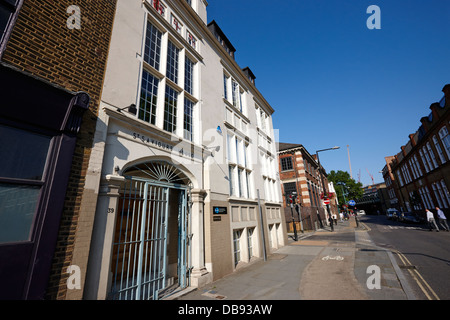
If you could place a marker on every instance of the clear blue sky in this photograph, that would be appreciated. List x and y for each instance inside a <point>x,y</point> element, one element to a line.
<point>332,81</point>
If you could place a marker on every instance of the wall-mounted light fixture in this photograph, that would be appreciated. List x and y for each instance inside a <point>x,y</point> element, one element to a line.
<point>214,149</point>
<point>219,130</point>
<point>131,109</point>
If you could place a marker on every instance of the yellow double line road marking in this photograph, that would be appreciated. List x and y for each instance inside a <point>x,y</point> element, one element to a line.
<point>427,290</point>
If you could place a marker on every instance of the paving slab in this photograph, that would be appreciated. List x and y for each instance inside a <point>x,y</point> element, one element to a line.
<point>322,265</point>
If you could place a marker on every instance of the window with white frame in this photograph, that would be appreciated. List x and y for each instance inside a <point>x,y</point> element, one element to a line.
<point>317,193</point>
<point>240,171</point>
<point>237,93</point>
<point>439,195</point>
<point>265,142</point>
<point>426,197</point>
<point>242,188</point>
<point>413,168</point>
<point>231,179</point>
<point>412,198</point>
<point>443,195</point>
<point>311,194</point>
<point>247,175</point>
<point>188,119</point>
<point>424,161</point>
<point>250,232</point>
<point>400,180</point>
<point>262,119</point>
<point>152,47</point>
<point>148,98</point>
<point>445,138</point>
<point>286,164</point>
<point>225,86</point>
<point>271,242</point>
<point>269,176</point>
<point>388,181</point>
<point>431,153</point>
<point>170,109</point>
<point>445,192</point>
<point>439,149</point>
<point>428,157</point>
<point>289,188</point>
<point>405,172</point>
<point>392,194</point>
<point>417,165</point>
<point>230,154</point>
<point>427,192</point>
<point>237,246</point>
<point>172,62</point>
<point>177,102</point>
<point>189,75</point>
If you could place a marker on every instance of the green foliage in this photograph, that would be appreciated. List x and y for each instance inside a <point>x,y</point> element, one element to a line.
<point>353,190</point>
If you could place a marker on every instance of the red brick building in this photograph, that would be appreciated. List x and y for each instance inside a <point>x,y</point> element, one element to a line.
<point>299,173</point>
<point>52,63</point>
<point>419,175</point>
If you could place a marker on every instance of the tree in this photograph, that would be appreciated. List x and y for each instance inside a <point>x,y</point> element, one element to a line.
<point>353,190</point>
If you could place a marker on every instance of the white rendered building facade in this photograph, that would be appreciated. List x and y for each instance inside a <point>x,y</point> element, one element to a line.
<point>184,145</point>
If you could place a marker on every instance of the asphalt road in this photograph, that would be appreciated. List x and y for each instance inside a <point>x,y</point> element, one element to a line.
<point>424,255</point>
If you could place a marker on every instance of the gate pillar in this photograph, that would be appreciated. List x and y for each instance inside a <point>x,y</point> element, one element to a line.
<point>98,272</point>
<point>199,275</point>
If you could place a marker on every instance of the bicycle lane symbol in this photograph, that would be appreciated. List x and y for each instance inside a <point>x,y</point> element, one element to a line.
<point>338,258</point>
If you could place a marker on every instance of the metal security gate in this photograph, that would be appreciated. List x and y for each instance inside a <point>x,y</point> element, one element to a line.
<point>184,236</point>
<point>139,263</point>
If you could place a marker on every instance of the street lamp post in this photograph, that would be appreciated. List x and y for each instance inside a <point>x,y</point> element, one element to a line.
<point>323,185</point>
<point>292,198</point>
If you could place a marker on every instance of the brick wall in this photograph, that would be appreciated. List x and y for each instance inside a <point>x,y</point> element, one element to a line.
<point>75,59</point>
<point>291,175</point>
<point>441,173</point>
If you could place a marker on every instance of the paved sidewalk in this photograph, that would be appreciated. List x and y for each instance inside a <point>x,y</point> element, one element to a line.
<point>321,265</point>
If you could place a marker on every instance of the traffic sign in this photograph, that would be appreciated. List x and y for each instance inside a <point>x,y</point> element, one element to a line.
<point>352,202</point>
<point>326,201</point>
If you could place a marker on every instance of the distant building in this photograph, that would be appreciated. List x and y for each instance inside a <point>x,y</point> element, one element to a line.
<point>420,173</point>
<point>373,200</point>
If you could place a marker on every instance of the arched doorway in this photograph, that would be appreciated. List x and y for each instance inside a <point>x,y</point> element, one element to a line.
<point>151,255</point>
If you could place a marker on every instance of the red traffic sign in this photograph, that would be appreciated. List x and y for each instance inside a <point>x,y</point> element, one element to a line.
<point>326,201</point>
